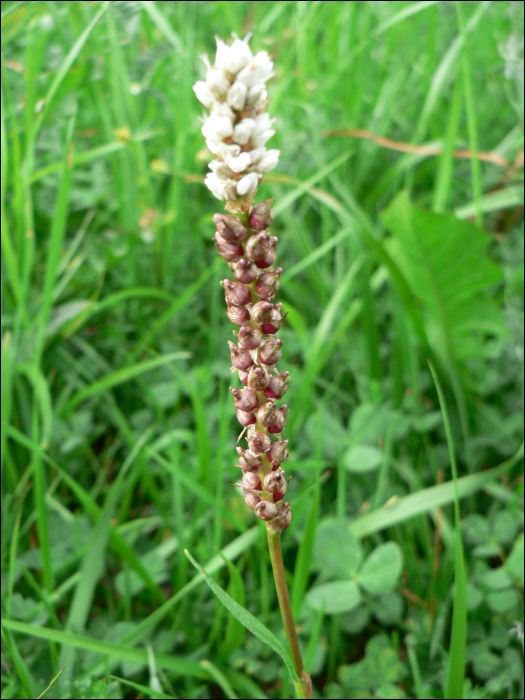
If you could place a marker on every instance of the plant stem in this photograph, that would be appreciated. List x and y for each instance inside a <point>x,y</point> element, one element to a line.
<point>303,686</point>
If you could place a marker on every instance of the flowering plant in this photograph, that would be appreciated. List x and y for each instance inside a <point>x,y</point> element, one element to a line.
<point>236,132</point>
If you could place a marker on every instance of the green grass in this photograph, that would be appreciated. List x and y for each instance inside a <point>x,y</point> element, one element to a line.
<point>118,434</point>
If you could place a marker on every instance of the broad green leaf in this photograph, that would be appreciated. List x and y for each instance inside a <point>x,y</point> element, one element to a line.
<point>445,265</point>
<point>475,528</point>
<point>380,666</point>
<point>496,579</point>
<point>248,620</point>
<point>503,527</point>
<point>362,458</point>
<point>389,608</point>
<point>336,548</point>
<point>502,601</point>
<point>334,597</point>
<point>474,597</point>
<point>380,572</point>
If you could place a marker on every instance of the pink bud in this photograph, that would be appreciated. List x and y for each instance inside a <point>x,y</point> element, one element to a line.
<point>250,480</point>
<point>259,443</point>
<point>236,293</point>
<point>274,323</point>
<point>271,255</point>
<point>243,376</point>
<point>279,495</point>
<point>229,227</point>
<point>245,270</point>
<point>270,351</point>
<point>257,246</point>
<point>238,315</point>
<point>269,283</point>
<point>262,312</point>
<point>230,251</point>
<point>258,379</point>
<point>251,499</point>
<point>261,216</point>
<point>278,452</point>
<point>250,338</point>
<point>265,510</point>
<point>240,358</point>
<point>275,482</point>
<point>249,460</point>
<point>245,399</point>
<point>280,420</point>
<point>266,415</point>
<point>277,385</point>
<point>245,417</point>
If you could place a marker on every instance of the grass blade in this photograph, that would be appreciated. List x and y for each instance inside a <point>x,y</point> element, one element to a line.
<point>53,681</point>
<point>178,666</point>
<point>471,117</point>
<point>120,376</point>
<point>65,66</point>
<point>427,500</point>
<point>458,642</point>
<point>143,689</point>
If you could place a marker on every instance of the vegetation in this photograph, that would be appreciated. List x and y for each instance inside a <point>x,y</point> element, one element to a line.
<point>399,246</point>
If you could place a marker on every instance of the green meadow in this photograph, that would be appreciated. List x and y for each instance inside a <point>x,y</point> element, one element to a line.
<point>399,213</point>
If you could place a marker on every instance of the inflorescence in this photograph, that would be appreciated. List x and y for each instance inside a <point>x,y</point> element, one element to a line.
<point>236,132</point>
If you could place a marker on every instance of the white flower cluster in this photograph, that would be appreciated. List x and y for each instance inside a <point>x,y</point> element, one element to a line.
<point>238,127</point>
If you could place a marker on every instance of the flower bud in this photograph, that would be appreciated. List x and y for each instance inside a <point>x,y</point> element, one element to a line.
<point>250,480</point>
<point>245,270</point>
<point>283,517</point>
<point>240,358</point>
<point>229,227</point>
<point>262,312</point>
<point>270,351</point>
<point>238,315</point>
<point>278,452</point>
<point>266,414</point>
<point>245,399</point>
<point>257,246</point>
<point>271,255</point>
<point>277,385</point>
<point>251,499</point>
<point>259,443</point>
<point>245,417</point>
<point>261,216</point>
<point>236,293</point>
<point>258,379</point>
<point>272,325</point>
<point>280,420</point>
<point>250,338</point>
<point>243,376</point>
<point>229,250</point>
<point>274,481</point>
<point>265,510</point>
<point>249,460</point>
<point>269,283</point>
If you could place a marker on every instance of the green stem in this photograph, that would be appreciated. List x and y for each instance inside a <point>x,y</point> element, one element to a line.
<point>303,686</point>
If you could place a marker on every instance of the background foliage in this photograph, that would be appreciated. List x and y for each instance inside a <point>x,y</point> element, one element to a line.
<point>117,428</point>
